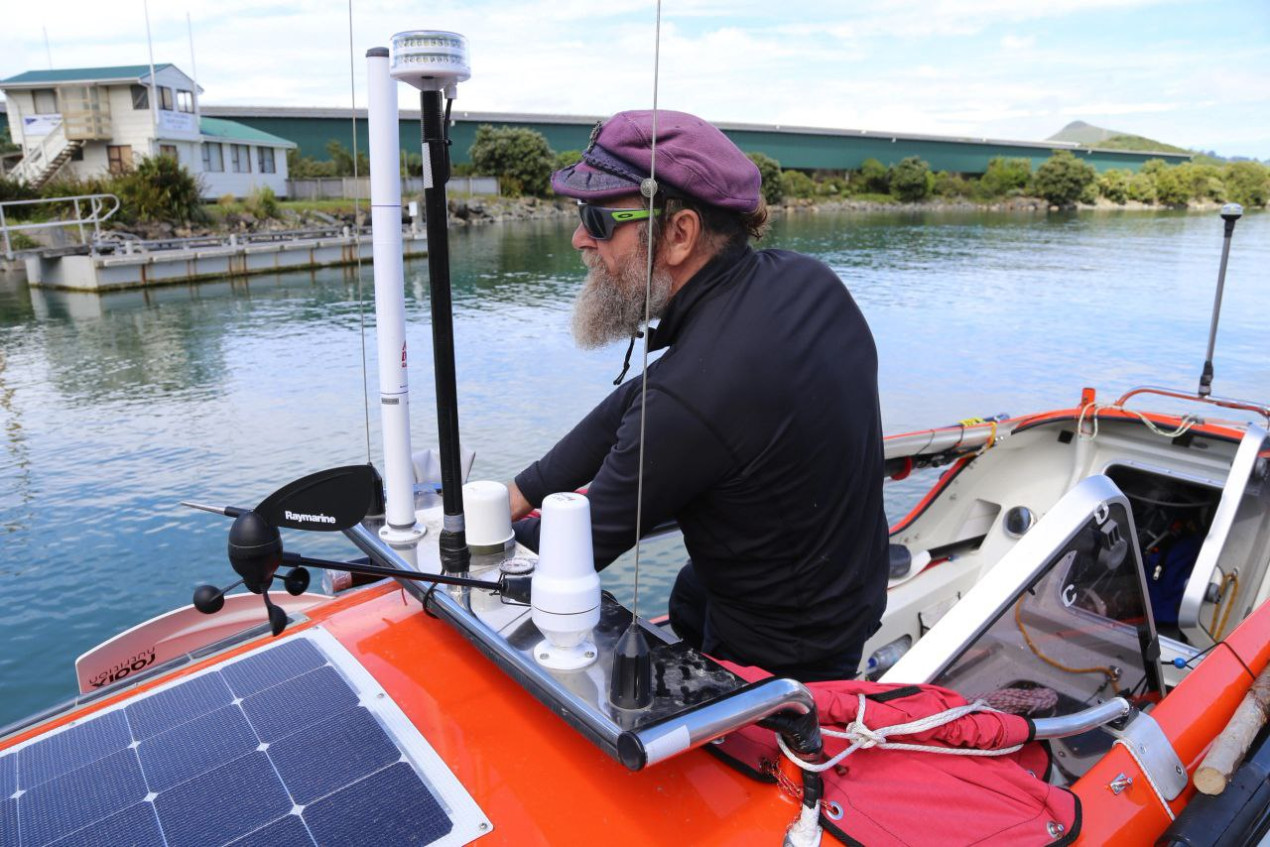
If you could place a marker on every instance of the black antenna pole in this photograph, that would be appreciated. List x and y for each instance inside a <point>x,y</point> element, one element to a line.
<point>1230,213</point>
<point>436,172</point>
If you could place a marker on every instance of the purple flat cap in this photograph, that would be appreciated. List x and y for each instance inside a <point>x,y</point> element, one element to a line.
<point>693,158</point>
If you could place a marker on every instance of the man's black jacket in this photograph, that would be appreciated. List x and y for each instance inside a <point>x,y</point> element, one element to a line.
<point>764,441</point>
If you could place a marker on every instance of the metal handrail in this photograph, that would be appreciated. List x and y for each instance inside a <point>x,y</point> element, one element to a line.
<point>37,157</point>
<point>97,214</point>
<point>1223,402</point>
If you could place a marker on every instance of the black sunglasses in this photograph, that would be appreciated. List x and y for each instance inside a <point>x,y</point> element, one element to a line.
<point>600,222</point>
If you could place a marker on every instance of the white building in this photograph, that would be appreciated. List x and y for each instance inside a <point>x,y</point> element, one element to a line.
<point>86,122</point>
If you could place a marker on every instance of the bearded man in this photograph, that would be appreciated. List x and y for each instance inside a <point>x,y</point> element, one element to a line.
<point>763,437</point>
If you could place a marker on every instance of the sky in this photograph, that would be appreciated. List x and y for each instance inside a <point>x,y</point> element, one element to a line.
<point>1194,74</point>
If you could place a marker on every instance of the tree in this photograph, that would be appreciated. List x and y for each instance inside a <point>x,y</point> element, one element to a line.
<point>1114,185</point>
<point>874,176</point>
<point>911,179</point>
<point>343,160</point>
<point>950,185</point>
<point>520,158</point>
<point>1170,189</point>
<point>160,189</point>
<point>1203,181</point>
<point>797,184</point>
<point>1004,176</point>
<point>769,171</point>
<point>306,167</point>
<point>1141,188</point>
<point>1247,183</point>
<point>566,158</point>
<point>1062,178</point>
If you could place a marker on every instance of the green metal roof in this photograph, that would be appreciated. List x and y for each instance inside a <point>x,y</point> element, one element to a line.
<point>82,75</point>
<point>234,131</point>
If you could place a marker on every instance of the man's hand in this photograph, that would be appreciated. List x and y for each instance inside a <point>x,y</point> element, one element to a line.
<point>520,506</point>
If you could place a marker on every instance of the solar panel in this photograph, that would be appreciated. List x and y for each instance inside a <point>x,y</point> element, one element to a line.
<point>293,744</point>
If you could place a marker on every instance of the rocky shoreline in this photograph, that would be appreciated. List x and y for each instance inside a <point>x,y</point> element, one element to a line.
<point>485,210</point>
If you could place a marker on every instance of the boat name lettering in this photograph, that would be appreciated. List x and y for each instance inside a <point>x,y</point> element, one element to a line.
<point>300,516</point>
<point>137,663</point>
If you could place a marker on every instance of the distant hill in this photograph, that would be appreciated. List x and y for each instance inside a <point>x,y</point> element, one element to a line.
<point>1080,132</point>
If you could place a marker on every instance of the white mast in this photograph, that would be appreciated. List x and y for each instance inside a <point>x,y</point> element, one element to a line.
<point>390,299</point>
<point>154,91</point>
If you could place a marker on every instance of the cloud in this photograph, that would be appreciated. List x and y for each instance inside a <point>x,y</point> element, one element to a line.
<point>1018,42</point>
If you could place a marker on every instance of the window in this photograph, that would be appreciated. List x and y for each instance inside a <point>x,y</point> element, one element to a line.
<point>169,150</point>
<point>240,158</point>
<point>45,101</point>
<point>165,99</point>
<point>120,158</point>
<point>184,101</point>
<point>265,160</point>
<point>213,158</point>
<point>140,97</point>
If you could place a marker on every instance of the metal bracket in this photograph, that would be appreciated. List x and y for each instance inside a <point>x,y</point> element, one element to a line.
<point>1154,753</point>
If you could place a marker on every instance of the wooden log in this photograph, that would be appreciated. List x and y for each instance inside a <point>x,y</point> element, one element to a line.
<point>1232,743</point>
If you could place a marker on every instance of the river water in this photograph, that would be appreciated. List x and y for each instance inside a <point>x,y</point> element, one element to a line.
<point>114,408</point>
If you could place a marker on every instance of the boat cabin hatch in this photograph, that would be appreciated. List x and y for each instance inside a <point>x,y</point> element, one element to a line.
<point>1061,624</point>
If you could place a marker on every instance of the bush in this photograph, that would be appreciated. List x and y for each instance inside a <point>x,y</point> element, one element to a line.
<point>1247,183</point>
<point>1202,181</point>
<point>911,179</point>
<point>160,189</point>
<point>1006,175</point>
<point>519,157</point>
<point>1170,189</point>
<point>263,203</point>
<point>227,200</point>
<point>11,189</point>
<point>769,171</point>
<point>566,158</point>
<point>1114,185</point>
<point>832,185</point>
<point>1089,195</point>
<point>797,184</point>
<point>874,176</point>
<point>1141,188</point>
<point>1061,179</point>
<point>951,185</point>
<point>342,160</point>
<point>1151,167</point>
<point>306,167</point>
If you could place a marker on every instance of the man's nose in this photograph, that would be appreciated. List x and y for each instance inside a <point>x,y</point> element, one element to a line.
<point>582,239</point>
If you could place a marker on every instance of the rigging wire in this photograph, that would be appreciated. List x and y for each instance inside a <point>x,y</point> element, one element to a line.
<point>649,189</point>
<point>357,234</point>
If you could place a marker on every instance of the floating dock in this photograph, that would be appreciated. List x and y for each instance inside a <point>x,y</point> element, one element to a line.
<point>139,264</point>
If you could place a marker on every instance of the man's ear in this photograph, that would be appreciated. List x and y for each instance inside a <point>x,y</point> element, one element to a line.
<point>681,235</point>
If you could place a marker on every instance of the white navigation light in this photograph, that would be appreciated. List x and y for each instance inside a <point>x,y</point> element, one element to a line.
<point>566,589</point>
<point>430,60</point>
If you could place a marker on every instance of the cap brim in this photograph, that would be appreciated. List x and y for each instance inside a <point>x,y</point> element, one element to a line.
<point>588,183</point>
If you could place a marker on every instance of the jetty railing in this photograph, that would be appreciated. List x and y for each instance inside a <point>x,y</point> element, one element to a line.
<point>91,210</point>
<point>120,242</point>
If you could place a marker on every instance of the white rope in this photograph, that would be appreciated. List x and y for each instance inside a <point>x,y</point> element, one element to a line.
<point>864,737</point>
<point>1184,425</point>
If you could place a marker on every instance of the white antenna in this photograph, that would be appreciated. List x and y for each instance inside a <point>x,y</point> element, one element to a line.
<point>649,190</point>
<point>189,30</point>
<point>47,51</point>
<point>154,100</point>
<point>630,686</point>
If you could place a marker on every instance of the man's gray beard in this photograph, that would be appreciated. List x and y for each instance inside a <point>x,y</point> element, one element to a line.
<point>610,307</point>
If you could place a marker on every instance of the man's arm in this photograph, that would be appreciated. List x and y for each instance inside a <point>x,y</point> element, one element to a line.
<point>683,457</point>
<point>576,458</point>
